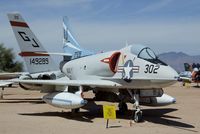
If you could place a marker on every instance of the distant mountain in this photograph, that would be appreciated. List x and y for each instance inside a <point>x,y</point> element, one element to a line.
<point>177,59</point>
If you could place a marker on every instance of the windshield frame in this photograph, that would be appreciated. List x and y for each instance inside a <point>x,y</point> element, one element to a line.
<point>152,59</point>
<point>147,52</point>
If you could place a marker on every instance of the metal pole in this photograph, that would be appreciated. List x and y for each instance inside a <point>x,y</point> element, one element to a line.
<point>2,93</point>
<point>107,123</point>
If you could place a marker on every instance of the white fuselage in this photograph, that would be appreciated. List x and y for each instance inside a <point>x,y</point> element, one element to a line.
<point>129,70</point>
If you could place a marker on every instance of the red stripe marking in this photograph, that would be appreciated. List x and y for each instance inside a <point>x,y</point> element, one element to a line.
<point>18,24</point>
<point>29,54</point>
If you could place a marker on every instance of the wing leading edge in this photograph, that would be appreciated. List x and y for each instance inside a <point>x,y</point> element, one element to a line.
<point>92,83</point>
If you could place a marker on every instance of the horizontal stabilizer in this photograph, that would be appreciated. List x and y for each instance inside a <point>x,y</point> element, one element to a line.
<point>59,54</point>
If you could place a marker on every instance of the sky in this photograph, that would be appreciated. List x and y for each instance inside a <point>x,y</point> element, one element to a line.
<point>103,25</point>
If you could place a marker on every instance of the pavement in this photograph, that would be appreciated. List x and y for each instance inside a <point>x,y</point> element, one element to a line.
<point>23,112</point>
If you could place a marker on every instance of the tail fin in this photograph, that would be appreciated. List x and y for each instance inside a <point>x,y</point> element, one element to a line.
<point>187,67</point>
<point>30,46</point>
<point>70,44</point>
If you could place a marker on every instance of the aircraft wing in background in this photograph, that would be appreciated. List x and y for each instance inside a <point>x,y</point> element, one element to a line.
<point>4,83</point>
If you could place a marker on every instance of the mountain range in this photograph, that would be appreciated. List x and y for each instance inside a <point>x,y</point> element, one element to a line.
<point>177,59</point>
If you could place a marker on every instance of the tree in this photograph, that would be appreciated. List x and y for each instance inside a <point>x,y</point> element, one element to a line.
<point>7,60</point>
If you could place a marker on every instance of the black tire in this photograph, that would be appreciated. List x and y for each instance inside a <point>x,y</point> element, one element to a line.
<point>75,110</point>
<point>123,108</point>
<point>138,117</point>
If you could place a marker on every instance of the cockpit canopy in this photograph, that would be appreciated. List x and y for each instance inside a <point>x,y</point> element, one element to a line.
<point>146,53</point>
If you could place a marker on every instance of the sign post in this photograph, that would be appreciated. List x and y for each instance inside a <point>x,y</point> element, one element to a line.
<point>1,96</point>
<point>109,112</point>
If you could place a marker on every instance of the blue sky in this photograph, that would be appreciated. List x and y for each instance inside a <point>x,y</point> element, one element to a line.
<point>103,25</point>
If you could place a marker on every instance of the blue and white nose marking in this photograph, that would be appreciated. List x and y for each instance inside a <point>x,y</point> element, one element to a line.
<point>128,70</point>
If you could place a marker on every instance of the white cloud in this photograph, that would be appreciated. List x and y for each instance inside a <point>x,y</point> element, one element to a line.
<point>97,35</point>
<point>57,3</point>
<point>161,36</point>
<point>154,6</point>
<point>102,35</point>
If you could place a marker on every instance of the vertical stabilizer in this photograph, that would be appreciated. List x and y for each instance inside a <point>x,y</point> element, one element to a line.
<point>32,50</point>
<point>70,44</point>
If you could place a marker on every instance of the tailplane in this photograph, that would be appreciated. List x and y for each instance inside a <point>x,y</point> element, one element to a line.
<point>36,57</point>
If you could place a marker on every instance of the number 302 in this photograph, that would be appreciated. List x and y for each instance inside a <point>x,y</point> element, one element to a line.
<point>151,68</point>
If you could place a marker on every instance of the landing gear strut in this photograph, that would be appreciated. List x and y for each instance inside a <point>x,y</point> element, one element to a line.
<point>137,116</point>
<point>123,108</point>
<point>2,90</point>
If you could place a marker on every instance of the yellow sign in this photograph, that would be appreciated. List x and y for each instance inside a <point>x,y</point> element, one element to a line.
<point>109,112</point>
<point>187,84</point>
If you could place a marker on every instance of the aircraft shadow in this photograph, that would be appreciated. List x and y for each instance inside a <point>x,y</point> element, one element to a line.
<point>13,86</point>
<point>93,111</point>
<point>197,86</point>
<point>81,116</point>
<point>158,116</point>
<point>23,100</point>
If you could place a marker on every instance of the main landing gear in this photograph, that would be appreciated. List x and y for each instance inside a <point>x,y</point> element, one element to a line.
<point>76,110</point>
<point>137,113</point>
<point>123,108</point>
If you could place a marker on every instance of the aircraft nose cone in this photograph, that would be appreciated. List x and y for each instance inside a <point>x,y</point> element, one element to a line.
<point>84,102</point>
<point>174,100</point>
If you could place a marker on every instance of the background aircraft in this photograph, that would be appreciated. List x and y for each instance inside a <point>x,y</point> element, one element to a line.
<point>191,74</point>
<point>132,74</point>
<point>70,44</point>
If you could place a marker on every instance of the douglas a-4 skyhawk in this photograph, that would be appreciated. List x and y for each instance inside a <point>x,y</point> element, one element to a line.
<point>132,74</point>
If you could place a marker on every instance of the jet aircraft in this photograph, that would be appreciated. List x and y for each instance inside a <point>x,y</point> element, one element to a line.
<point>132,74</point>
<point>191,74</point>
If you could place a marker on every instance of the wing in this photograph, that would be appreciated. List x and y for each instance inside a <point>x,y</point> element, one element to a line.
<point>92,83</point>
<point>7,75</point>
<point>4,83</point>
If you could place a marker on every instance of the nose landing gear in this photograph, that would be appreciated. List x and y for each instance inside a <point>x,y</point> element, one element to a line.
<point>137,116</point>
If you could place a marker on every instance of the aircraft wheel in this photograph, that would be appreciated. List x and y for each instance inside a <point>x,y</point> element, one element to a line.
<point>122,108</point>
<point>76,110</point>
<point>138,116</point>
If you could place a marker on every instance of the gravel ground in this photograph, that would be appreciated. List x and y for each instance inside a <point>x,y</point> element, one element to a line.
<point>23,111</point>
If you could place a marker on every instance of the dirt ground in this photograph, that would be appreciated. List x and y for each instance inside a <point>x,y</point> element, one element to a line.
<point>23,112</point>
